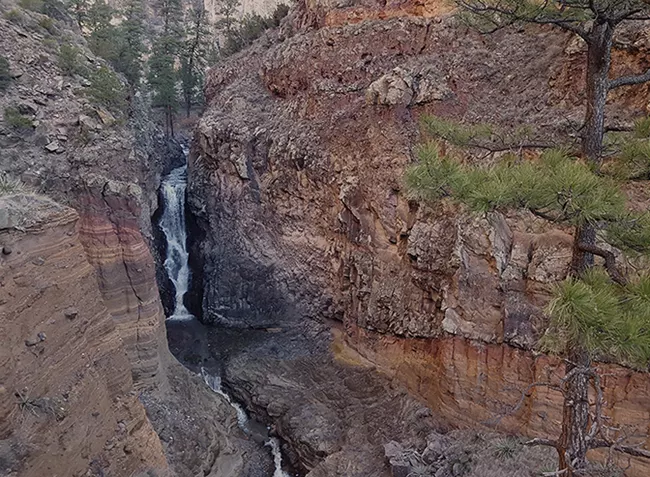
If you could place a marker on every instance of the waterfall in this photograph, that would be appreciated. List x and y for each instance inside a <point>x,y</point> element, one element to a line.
<point>172,223</point>
<point>214,383</point>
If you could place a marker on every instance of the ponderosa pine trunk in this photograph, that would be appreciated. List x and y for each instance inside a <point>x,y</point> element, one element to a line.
<point>170,115</point>
<point>599,59</point>
<point>573,445</point>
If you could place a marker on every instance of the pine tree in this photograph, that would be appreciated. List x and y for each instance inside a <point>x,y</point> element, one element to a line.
<point>162,75</point>
<point>194,58</point>
<point>595,21</point>
<point>597,312</point>
<point>227,13</point>
<point>162,80</point>
<point>103,34</point>
<point>227,25</point>
<point>130,35</point>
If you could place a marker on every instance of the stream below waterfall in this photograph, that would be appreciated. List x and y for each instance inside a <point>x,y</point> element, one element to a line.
<point>174,227</point>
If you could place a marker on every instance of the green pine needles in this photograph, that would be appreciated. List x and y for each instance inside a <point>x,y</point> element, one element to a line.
<point>601,311</point>
<point>609,321</point>
<point>556,186</point>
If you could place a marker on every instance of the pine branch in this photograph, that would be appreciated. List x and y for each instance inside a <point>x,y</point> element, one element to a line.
<point>610,261</point>
<point>546,216</point>
<point>629,450</point>
<point>542,442</point>
<point>629,80</point>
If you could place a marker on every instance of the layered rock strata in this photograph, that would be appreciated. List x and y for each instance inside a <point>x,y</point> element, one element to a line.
<point>110,233</point>
<point>68,404</point>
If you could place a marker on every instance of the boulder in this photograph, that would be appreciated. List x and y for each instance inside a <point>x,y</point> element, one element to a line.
<point>392,89</point>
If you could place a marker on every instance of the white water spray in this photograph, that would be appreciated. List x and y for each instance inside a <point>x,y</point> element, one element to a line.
<point>214,383</point>
<point>172,224</point>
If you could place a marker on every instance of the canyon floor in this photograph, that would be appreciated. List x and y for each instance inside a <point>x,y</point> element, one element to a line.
<point>336,414</point>
<point>373,335</point>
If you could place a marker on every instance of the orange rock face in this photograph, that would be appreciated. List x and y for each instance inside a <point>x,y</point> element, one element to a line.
<point>67,402</point>
<point>379,11</point>
<point>481,383</point>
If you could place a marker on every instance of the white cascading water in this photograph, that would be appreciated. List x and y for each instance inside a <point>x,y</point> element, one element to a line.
<point>172,223</point>
<point>214,383</point>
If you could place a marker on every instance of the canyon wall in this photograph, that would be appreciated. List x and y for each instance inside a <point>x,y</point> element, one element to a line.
<point>296,181</point>
<point>75,399</point>
<point>66,381</point>
<point>107,167</point>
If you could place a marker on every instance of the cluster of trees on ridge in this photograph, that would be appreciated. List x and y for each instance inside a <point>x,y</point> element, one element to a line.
<point>177,54</point>
<point>599,312</point>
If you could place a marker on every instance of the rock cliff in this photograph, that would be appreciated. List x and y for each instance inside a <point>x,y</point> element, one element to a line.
<point>296,181</point>
<point>72,402</point>
<point>66,381</point>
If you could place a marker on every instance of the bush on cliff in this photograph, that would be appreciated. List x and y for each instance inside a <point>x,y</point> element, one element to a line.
<point>107,90</point>
<point>16,120</point>
<point>5,74</point>
<point>250,28</point>
<point>69,60</point>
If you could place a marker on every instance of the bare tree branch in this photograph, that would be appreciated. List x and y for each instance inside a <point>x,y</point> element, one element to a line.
<point>629,450</point>
<point>610,261</point>
<point>629,80</point>
<point>542,442</point>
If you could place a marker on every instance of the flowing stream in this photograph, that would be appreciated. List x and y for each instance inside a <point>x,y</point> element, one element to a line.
<point>214,382</point>
<point>172,222</point>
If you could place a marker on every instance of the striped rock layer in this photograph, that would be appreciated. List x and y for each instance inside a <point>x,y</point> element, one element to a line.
<point>110,233</point>
<point>67,403</point>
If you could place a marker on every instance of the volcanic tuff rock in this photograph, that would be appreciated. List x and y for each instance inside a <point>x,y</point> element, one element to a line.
<point>296,181</point>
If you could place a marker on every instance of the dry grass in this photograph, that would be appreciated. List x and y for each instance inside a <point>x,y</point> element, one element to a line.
<point>493,455</point>
<point>10,185</point>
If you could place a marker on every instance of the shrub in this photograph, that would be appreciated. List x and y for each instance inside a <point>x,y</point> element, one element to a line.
<point>506,448</point>
<point>51,43</point>
<point>10,185</point>
<point>5,74</point>
<point>14,16</point>
<point>107,90</point>
<point>33,5</point>
<point>47,23</point>
<point>69,59</point>
<point>16,120</point>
